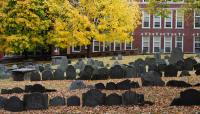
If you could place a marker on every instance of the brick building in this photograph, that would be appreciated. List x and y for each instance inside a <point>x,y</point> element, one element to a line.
<point>155,34</point>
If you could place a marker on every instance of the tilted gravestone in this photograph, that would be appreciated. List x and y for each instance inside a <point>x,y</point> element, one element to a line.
<point>111,86</point>
<point>36,101</point>
<point>59,74</point>
<point>47,75</point>
<point>93,98</point>
<point>176,83</point>
<point>130,72</point>
<point>86,74</point>
<point>73,101</point>
<point>117,72</point>
<point>152,78</point>
<point>188,97</point>
<point>35,76</point>
<point>132,98</point>
<point>57,101</point>
<point>100,74</point>
<point>124,85</point>
<point>77,84</point>
<point>64,63</point>
<point>176,56</point>
<point>14,104</point>
<point>113,99</point>
<point>70,73</point>
<point>170,71</point>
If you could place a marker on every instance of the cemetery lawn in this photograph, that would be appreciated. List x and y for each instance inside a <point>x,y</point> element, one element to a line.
<point>161,98</point>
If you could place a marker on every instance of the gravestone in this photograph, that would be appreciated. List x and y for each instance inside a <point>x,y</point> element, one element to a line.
<point>90,61</point>
<point>2,102</point>
<point>100,74</point>
<point>140,67</point>
<point>197,66</point>
<point>70,73</point>
<point>117,72</point>
<point>14,104</point>
<point>35,88</point>
<point>64,63</point>
<point>35,101</point>
<point>176,56</point>
<point>17,90</point>
<point>130,72</point>
<point>119,56</point>
<point>100,86</point>
<point>59,74</point>
<point>113,99</point>
<point>152,78</point>
<point>114,58</point>
<point>189,64</point>
<point>132,98</point>
<point>35,76</point>
<point>188,97</point>
<point>124,85</point>
<point>184,73</point>
<point>80,64</point>
<point>170,71</point>
<point>180,65</point>
<point>157,56</point>
<point>111,86</point>
<point>57,101</point>
<point>197,72</point>
<point>93,98</point>
<point>47,67</point>
<point>6,91</point>
<point>41,68</point>
<point>176,83</point>
<point>77,84</point>
<point>73,101</point>
<point>47,75</point>
<point>86,74</point>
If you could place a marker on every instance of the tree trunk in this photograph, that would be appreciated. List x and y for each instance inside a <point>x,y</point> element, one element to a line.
<point>89,49</point>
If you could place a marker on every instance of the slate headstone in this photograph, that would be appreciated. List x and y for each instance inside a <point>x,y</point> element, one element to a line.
<point>100,74</point>
<point>47,75</point>
<point>176,83</point>
<point>170,71</point>
<point>77,84</point>
<point>14,104</point>
<point>93,98</point>
<point>117,72</point>
<point>36,101</point>
<point>59,74</point>
<point>130,72</point>
<point>57,101</point>
<point>73,101</point>
<point>111,86</point>
<point>132,98</point>
<point>86,74</point>
<point>124,85</point>
<point>113,99</point>
<point>100,86</point>
<point>2,102</point>
<point>35,76</point>
<point>184,73</point>
<point>70,73</point>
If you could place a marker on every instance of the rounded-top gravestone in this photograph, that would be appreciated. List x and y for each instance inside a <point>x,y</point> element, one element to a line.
<point>14,104</point>
<point>176,55</point>
<point>70,73</point>
<point>152,78</point>
<point>47,75</point>
<point>35,76</point>
<point>117,72</point>
<point>59,74</point>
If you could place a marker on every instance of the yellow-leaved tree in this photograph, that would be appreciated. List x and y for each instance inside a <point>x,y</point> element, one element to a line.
<point>27,24</point>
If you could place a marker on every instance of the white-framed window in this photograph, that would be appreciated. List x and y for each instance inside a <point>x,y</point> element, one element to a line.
<point>76,48</point>
<point>156,21</point>
<point>197,19</point>
<point>96,46</point>
<point>156,44</point>
<point>106,46</point>
<point>128,45</point>
<point>145,20</point>
<point>167,44</point>
<point>197,44</point>
<point>179,42</point>
<point>179,19</point>
<point>145,44</point>
<point>117,46</point>
<point>168,20</point>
